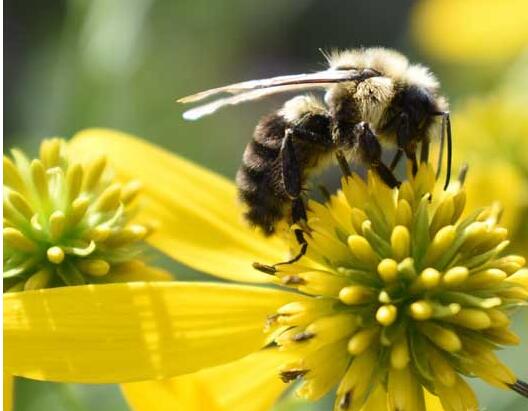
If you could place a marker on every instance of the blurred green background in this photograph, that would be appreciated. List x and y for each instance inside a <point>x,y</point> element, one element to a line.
<point>73,64</point>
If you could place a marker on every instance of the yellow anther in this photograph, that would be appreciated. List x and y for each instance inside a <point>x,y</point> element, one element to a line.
<point>386,314</point>
<point>421,310</point>
<point>96,268</point>
<point>100,233</point>
<point>39,178</point>
<point>130,191</point>
<point>520,277</point>
<point>78,210</point>
<point>50,152</point>
<point>442,337</point>
<point>388,270</point>
<point>109,199</point>
<point>361,250</point>
<point>498,318</point>
<point>384,297</point>
<point>38,280</point>
<point>357,216</point>
<point>403,213</point>
<point>442,241</point>
<point>400,354</point>
<point>93,173</point>
<point>485,279</point>
<point>400,242</point>
<point>15,239</point>
<point>360,341</point>
<point>20,204</point>
<point>355,294</point>
<point>427,280</point>
<point>443,215</point>
<point>321,283</point>
<point>473,234</point>
<point>333,327</point>
<point>510,264</point>
<point>406,193</point>
<point>460,202</point>
<point>74,177</point>
<point>55,255</point>
<point>503,335</point>
<point>406,268</point>
<point>57,222</point>
<point>12,177</point>
<point>455,276</point>
<point>473,319</point>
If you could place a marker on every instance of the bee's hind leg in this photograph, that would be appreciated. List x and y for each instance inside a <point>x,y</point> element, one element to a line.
<point>298,215</point>
<point>292,180</point>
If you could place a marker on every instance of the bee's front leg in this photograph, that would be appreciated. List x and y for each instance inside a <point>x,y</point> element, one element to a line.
<point>369,149</point>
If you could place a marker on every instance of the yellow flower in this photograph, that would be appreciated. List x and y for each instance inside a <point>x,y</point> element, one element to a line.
<point>498,159</point>
<point>395,288</point>
<point>67,223</point>
<point>471,31</point>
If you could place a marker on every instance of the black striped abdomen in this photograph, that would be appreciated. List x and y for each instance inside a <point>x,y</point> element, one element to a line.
<point>259,177</point>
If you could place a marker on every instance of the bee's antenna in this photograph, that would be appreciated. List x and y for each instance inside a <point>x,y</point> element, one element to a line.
<point>446,131</point>
<point>449,150</point>
<point>442,147</point>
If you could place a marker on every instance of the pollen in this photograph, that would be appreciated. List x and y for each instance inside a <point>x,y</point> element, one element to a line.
<point>65,223</point>
<point>408,292</point>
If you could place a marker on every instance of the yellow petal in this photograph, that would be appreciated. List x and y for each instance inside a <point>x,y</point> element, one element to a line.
<point>197,218</point>
<point>249,384</point>
<point>432,402</point>
<point>137,270</point>
<point>133,331</point>
<point>8,392</point>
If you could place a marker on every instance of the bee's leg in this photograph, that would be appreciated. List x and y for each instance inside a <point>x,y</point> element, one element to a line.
<point>424,151</point>
<point>292,180</point>
<point>396,159</point>
<point>343,163</point>
<point>405,141</point>
<point>370,151</point>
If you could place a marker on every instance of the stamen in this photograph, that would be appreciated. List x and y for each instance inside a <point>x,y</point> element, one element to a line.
<point>398,284</point>
<point>292,375</point>
<point>267,269</point>
<point>304,336</point>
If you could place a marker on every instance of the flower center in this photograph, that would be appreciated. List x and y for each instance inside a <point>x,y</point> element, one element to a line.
<point>65,223</point>
<point>402,292</point>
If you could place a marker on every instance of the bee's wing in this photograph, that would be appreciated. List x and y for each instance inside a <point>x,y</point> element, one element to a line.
<point>209,108</point>
<point>255,89</point>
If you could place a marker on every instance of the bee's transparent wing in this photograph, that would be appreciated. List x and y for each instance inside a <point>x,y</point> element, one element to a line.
<point>209,108</point>
<point>256,89</point>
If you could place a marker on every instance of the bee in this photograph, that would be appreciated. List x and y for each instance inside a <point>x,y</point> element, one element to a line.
<point>373,96</point>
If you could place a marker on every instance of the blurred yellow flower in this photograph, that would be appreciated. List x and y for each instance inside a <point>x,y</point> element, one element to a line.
<point>491,135</point>
<point>394,285</point>
<point>471,31</point>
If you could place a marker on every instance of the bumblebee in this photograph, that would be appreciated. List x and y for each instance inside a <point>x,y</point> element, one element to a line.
<point>373,96</point>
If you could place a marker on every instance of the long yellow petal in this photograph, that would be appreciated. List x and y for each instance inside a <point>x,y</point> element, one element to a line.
<point>133,331</point>
<point>199,220</point>
<point>8,391</point>
<point>249,384</point>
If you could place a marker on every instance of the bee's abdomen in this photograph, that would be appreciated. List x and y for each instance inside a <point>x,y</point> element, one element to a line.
<point>259,178</point>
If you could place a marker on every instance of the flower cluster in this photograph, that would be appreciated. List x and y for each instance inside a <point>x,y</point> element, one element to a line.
<point>408,293</point>
<point>66,223</point>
